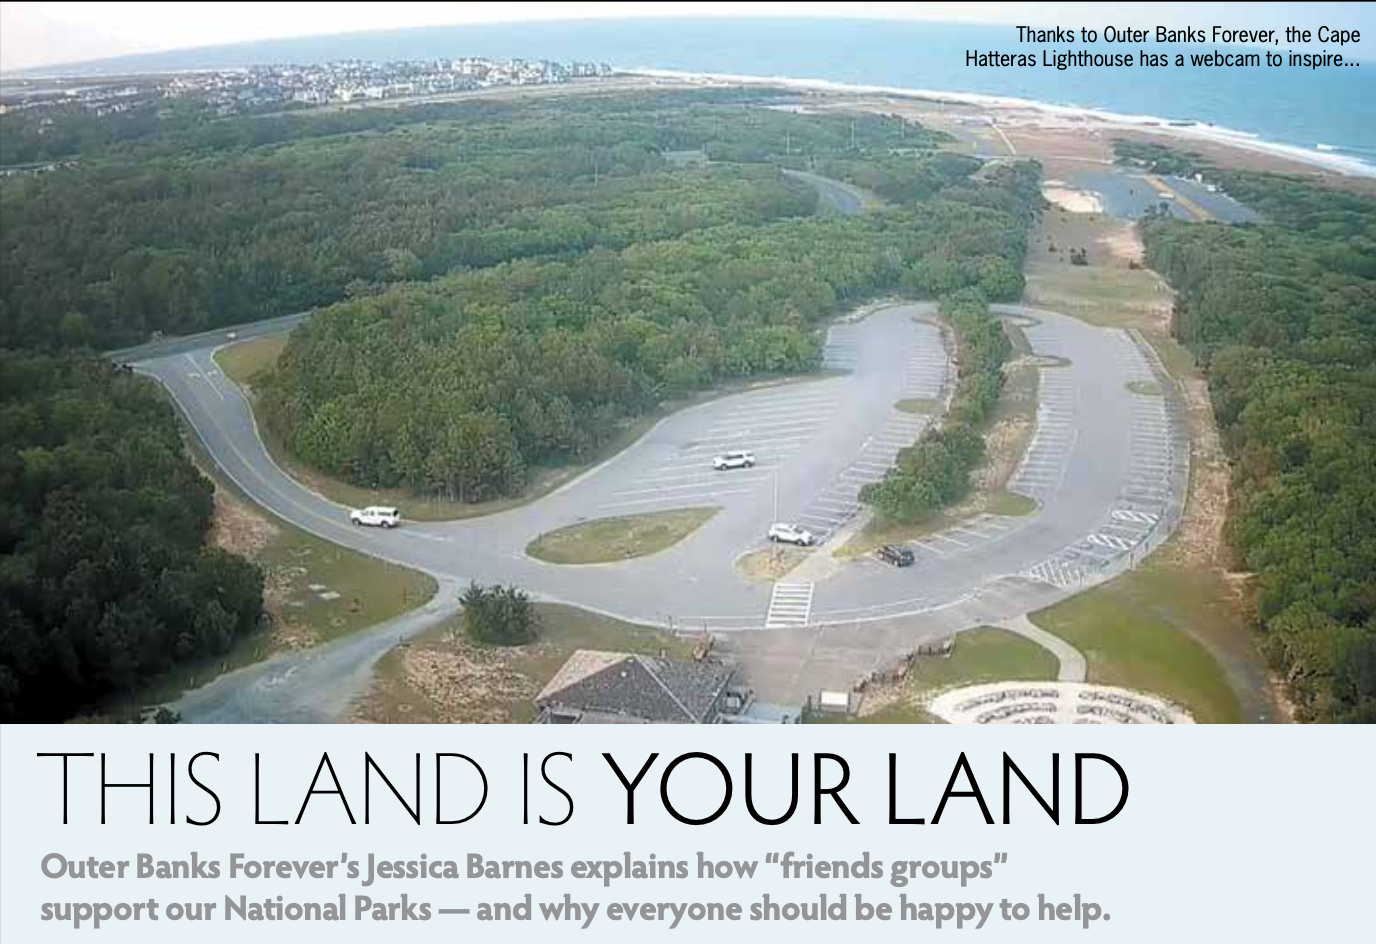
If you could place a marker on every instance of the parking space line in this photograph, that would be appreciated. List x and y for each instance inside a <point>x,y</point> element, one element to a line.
<point>736,480</point>
<point>770,428</point>
<point>674,498</point>
<point>845,505</point>
<point>791,443</point>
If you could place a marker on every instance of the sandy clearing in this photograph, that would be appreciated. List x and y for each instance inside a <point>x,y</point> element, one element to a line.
<point>1072,199</point>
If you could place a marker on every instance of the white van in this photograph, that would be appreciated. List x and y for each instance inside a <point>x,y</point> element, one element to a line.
<point>376,516</point>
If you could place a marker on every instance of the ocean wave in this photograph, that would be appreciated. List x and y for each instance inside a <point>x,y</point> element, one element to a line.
<point>1325,158</point>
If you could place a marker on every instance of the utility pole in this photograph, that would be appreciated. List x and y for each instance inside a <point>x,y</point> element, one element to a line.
<point>852,134</point>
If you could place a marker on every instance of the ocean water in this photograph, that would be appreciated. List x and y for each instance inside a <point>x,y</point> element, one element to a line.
<point>1334,107</point>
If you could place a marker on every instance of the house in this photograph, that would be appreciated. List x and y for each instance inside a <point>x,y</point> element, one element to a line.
<point>620,688</point>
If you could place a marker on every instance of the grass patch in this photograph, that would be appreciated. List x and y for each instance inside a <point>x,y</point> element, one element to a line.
<point>919,407</point>
<point>1009,504</point>
<point>442,677</point>
<point>1144,388</point>
<point>768,564</point>
<point>877,532</point>
<point>1139,631</point>
<point>1108,292</point>
<point>605,540</point>
<point>986,654</point>
<point>245,360</point>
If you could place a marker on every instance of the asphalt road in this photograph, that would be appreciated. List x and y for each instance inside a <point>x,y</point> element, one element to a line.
<point>1106,466</point>
<point>834,195</point>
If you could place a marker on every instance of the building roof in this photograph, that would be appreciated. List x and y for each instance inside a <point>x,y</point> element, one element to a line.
<point>606,685</point>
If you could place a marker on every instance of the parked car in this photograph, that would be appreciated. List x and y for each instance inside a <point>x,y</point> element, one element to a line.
<point>232,336</point>
<point>375,516</point>
<point>897,555</point>
<point>738,459</point>
<point>783,533</point>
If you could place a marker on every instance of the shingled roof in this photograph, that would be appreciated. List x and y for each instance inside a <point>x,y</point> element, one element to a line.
<point>621,686</point>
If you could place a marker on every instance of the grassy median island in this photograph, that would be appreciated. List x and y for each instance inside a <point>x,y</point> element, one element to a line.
<point>986,654</point>
<point>443,677</point>
<point>919,407</point>
<point>244,360</point>
<point>768,564</point>
<point>607,540</point>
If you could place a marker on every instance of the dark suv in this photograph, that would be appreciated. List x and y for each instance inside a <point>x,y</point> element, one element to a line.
<point>898,556</point>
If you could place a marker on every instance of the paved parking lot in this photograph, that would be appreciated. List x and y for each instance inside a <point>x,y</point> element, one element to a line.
<point>1151,487</point>
<point>1106,466</point>
<point>1043,466</point>
<point>774,425</point>
<point>927,376</point>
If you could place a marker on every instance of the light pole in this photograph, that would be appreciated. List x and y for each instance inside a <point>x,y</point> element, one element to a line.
<point>776,496</point>
<point>777,551</point>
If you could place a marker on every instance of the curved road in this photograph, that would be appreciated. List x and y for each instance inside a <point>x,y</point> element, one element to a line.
<point>1106,466</point>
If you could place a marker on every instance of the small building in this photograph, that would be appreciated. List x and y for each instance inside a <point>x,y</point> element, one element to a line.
<point>621,688</point>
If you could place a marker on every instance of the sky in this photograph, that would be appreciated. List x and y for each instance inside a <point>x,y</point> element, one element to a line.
<point>36,34</point>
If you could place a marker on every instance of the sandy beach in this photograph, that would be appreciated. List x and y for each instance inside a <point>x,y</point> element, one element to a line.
<point>1054,134</point>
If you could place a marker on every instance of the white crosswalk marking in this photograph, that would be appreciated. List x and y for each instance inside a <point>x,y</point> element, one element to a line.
<point>1056,572</point>
<point>1109,540</point>
<point>790,605</point>
<point>1138,517</point>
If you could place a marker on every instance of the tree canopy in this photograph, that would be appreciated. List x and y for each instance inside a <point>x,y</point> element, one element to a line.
<point>105,576</point>
<point>1283,317</point>
<point>460,385</point>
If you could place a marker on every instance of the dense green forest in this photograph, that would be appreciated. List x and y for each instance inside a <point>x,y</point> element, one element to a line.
<point>1283,318</point>
<point>105,579</point>
<point>252,217</point>
<point>460,385</point>
<point>934,472</point>
<point>509,282</point>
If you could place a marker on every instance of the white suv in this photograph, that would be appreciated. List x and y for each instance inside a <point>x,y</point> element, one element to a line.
<point>791,534</point>
<point>740,459</point>
<point>376,516</point>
